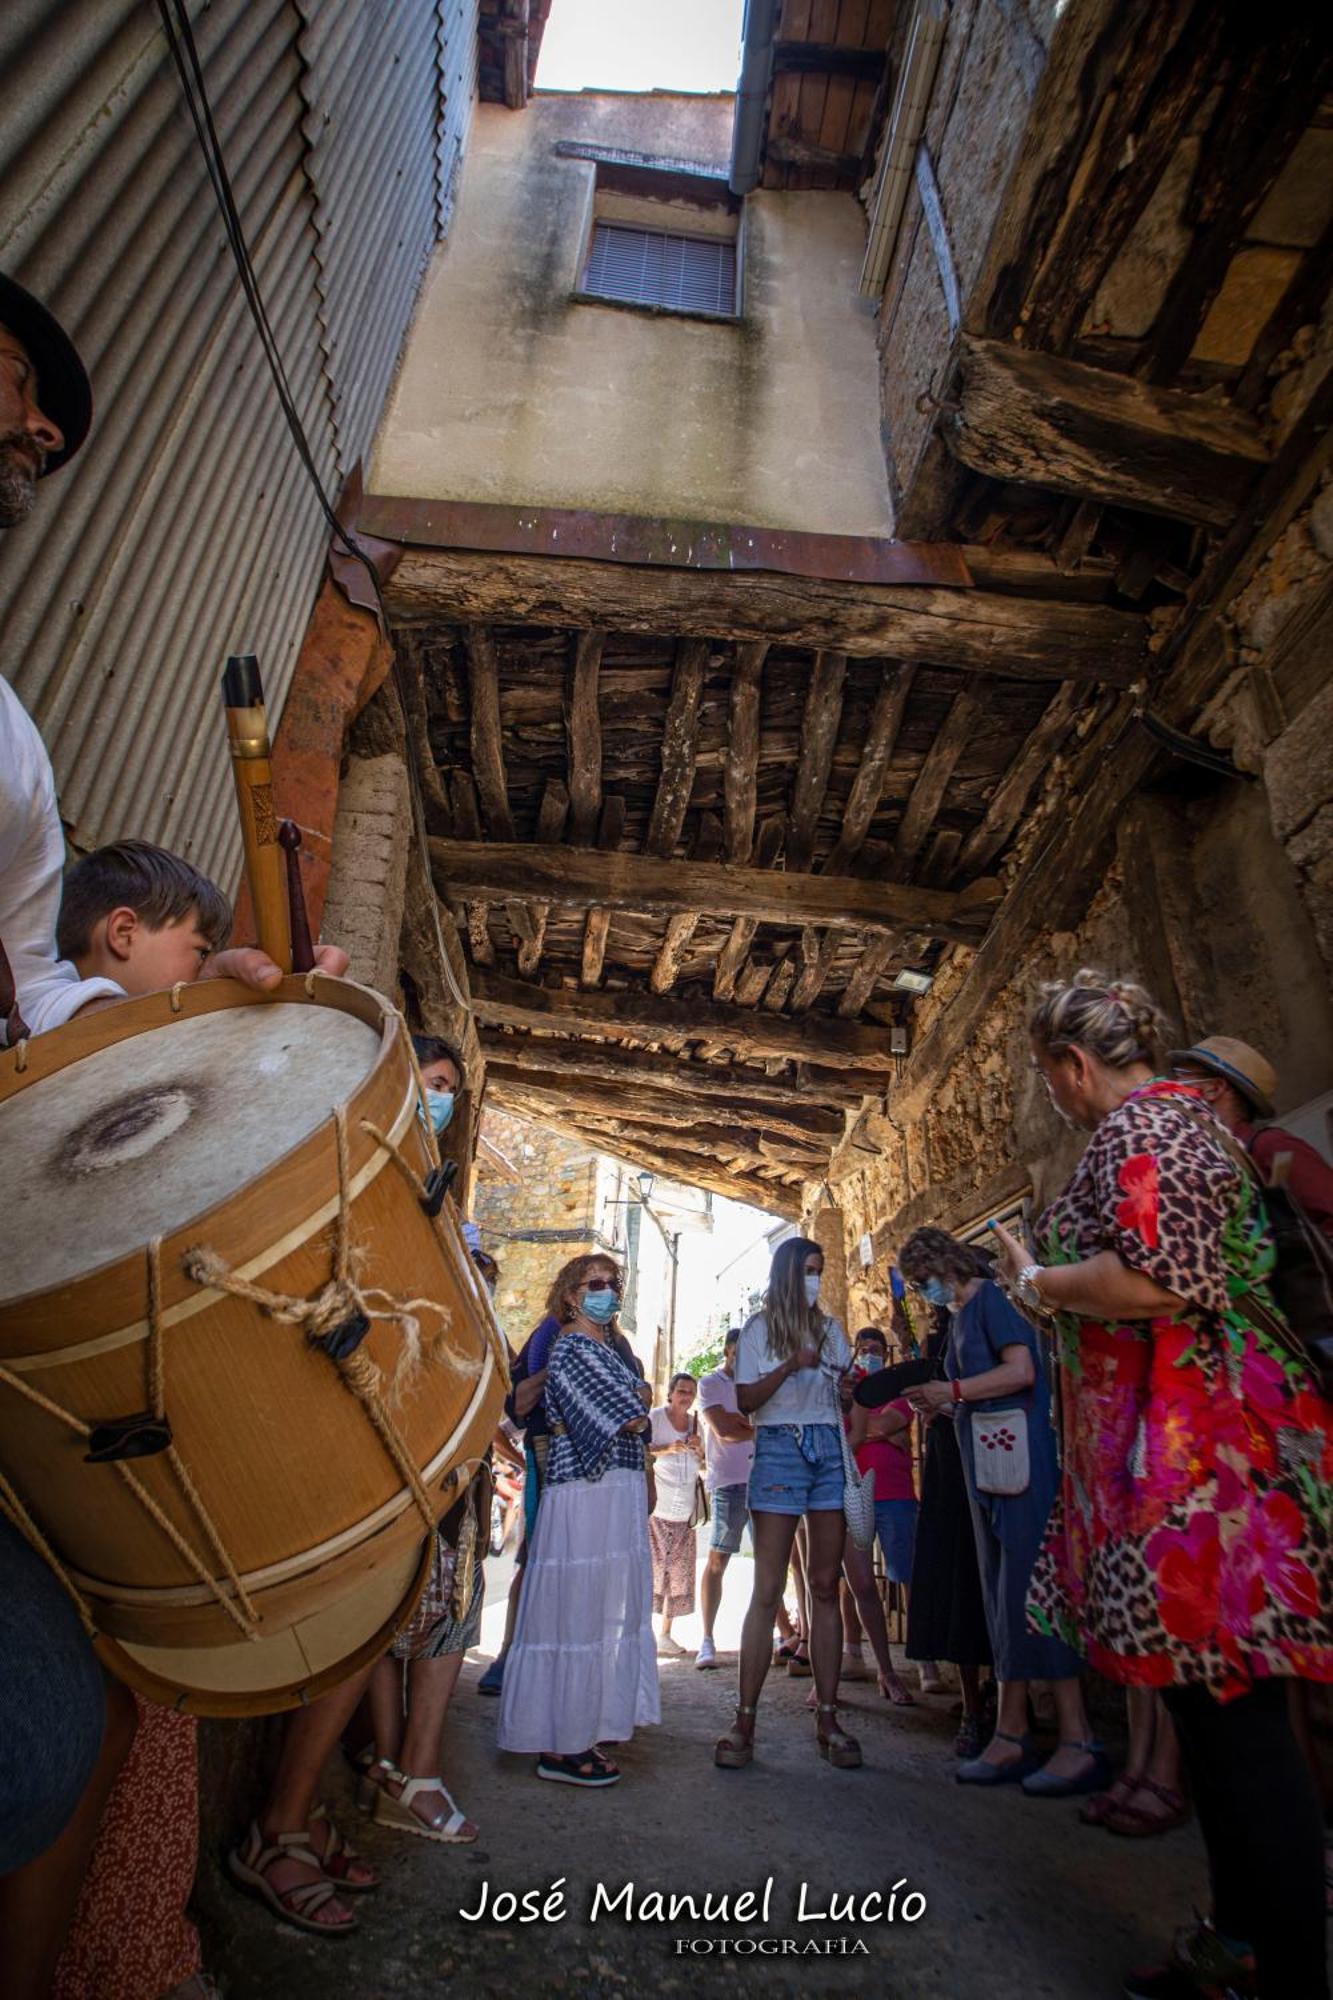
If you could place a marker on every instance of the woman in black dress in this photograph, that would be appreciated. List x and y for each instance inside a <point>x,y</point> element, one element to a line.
<point>946,1617</point>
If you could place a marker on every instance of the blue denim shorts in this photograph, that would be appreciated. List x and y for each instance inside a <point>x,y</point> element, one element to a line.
<point>797,1469</point>
<point>895,1525</point>
<point>730,1514</point>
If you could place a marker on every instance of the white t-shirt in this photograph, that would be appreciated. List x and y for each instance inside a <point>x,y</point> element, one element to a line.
<point>675,1471</point>
<point>807,1397</point>
<point>32,862</point>
<point>729,1459</point>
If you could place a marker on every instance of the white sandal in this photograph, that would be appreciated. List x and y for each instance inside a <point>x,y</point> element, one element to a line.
<point>398,1813</point>
<point>248,1867</point>
<point>370,1782</point>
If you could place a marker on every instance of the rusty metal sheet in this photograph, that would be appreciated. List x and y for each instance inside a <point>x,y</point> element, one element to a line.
<point>659,543</point>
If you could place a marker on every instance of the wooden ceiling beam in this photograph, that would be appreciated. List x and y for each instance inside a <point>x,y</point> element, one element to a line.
<point>820,719</point>
<point>598,921</point>
<point>639,1104</point>
<point>863,800</point>
<point>983,631</point>
<point>1057,424</point>
<point>828,59</point>
<point>628,1016</point>
<point>552,815</point>
<point>1015,787</point>
<point>932,779</point>
<point>731,959</point>
<point>583,737</point>
<point>809,1101</point>
<point>817,956</point>
<point>740,773</point>
<point>583,879</point>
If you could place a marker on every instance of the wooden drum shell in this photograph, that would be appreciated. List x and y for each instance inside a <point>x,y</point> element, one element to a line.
<point>304,1496</point>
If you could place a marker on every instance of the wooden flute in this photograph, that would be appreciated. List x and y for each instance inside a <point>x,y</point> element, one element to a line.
<point>265,868</point>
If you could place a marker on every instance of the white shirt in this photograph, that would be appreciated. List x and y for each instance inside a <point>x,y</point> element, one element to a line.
<point>729,1459</point>
<point>810,1396</point>
<point>32,862</point>
<point>675,1472</point>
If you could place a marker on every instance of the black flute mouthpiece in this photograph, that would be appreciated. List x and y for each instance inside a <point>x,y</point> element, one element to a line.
<point>241,685</point>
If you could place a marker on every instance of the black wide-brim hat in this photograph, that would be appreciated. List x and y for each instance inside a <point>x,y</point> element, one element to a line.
<point>64,392</point>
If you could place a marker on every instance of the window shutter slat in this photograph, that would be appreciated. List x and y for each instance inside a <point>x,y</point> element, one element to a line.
<point>657,267</point>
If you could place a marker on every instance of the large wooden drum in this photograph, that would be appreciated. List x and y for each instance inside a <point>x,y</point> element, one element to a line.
<point>245,1357</point>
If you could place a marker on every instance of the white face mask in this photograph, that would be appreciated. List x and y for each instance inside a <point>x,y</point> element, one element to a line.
<point>811,1287</point>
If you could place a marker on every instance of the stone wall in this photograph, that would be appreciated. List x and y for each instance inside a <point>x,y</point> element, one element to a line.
<point>556,1208</point>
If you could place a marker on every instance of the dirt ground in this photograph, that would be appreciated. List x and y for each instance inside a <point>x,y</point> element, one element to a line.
<point>1019,1898</point>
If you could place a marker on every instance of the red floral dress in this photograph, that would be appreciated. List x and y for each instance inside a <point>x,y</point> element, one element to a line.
<point>1193,1536</point>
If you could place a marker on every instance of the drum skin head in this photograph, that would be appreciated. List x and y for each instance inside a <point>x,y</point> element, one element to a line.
<point>289,1670</point>
<point>133,1141</point>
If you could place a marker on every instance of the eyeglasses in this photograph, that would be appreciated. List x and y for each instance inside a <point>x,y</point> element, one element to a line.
<point>602,1285</point>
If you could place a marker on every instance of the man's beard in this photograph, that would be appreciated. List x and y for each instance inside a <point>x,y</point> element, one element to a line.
<point>18,481</point>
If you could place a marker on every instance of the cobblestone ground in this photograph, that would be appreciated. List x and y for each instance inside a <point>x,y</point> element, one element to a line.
<point>1020,1899</point>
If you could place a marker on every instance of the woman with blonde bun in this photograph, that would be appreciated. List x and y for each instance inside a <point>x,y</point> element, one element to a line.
<point>1191,1545</point>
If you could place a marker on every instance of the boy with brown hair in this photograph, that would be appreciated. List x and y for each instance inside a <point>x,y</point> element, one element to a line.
<point>141,917</point>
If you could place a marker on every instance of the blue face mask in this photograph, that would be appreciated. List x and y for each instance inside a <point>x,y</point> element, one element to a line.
<point>440,1105</point>
<point>811,1287</point>
<point>600,1307</point>
<point>870,1362</point>
<point>938,1292</point>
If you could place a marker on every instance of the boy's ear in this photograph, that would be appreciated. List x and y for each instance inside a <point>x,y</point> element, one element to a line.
<point>118,930</point>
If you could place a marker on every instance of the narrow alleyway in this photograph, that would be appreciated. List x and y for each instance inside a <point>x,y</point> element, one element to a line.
<point>1022,1903</point>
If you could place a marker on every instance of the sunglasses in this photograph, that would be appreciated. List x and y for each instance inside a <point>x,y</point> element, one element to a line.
<point>602,1285</point>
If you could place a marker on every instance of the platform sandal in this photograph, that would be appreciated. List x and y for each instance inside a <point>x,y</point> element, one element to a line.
<point>248,1867</point>
<point>446,1826</point>
<point>370,1781</point>
<point>840,1749</point>
<point>734,1751</point>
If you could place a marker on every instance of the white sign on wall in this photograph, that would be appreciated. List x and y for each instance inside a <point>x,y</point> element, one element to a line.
<point>867,1250</point>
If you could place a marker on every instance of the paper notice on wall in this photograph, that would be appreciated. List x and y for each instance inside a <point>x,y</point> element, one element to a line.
<point>867,1250</point>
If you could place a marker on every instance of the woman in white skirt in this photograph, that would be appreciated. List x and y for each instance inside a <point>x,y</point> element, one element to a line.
<point>583,1666</point>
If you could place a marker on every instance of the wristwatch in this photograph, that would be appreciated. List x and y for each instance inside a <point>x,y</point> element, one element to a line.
<point>1026,1285</point>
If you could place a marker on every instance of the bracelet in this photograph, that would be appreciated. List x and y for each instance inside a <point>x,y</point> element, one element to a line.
<point>1026,1285</point>
<point>957,1389</point>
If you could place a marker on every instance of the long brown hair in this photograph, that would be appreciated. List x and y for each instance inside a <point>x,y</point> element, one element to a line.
<point>792,1324</point>
<point>559,1300</point>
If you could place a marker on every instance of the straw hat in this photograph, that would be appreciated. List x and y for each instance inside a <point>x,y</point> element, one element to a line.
<point>1240,1065</point>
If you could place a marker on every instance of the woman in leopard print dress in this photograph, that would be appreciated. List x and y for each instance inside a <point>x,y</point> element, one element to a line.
<point>1191,1546</point>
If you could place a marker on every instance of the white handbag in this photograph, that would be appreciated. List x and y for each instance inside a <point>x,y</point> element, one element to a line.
<point>1000,1451</point>
<point>858,1488</point>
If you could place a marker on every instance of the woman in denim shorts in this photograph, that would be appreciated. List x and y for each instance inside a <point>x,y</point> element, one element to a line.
<point>789,1365</point>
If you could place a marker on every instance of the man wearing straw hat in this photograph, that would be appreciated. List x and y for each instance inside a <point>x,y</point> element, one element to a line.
<point>1241,1085</point>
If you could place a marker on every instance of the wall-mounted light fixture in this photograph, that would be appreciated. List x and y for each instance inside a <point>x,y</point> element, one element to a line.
<point>908,981</point>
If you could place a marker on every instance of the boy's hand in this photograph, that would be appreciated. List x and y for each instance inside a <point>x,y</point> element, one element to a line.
<point>255,968</point>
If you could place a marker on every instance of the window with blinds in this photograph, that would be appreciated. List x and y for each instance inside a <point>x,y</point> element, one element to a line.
<point>656,267</point>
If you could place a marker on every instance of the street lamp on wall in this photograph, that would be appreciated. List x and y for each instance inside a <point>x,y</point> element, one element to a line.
<point>646,1187</point>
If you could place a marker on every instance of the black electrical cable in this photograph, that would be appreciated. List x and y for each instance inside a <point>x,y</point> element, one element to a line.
<point>1187,748</point>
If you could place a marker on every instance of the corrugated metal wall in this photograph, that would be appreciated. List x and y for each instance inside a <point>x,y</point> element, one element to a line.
<point>185,530</point>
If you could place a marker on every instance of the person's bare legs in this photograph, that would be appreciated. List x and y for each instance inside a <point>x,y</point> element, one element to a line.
<point>384,1701</point>
<point>1071,1715</point>
<point>710,1591</point>
<point>310,1737</point>
<point>1011,1719</point>
<point>969,1680</point>
<point>798,1567</point>
<point>1153,1765</point>
<point>430,1687</point>
<point>38,1901</point>
<point>774,1536</point>
<point>859,1570</point>
<point>827,1532</point>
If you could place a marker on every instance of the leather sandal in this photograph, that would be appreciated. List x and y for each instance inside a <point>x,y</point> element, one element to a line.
<point>835,1745</point>
<point>734,1751</point>
<point>446,1825</point>
<point>248,1866</point>
<point>1135,1822</point>
<point>340,1857</point>
<point>370,1782</point>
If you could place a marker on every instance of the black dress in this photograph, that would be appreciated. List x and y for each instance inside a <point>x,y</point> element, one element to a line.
<point>946,1617</point>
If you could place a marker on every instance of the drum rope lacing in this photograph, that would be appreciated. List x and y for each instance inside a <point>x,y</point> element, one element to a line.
<point>329,1308</point>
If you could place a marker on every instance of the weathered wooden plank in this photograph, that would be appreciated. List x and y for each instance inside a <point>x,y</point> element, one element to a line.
<point>551,817</point>
<point>876,756</point>
<point>638,1104</point>
<point>680,929</point>
<point>819,734</point>
<point>740,775</point>
<point>598,921</point>
<point>578,879</point>
<point>1015,787</point>
<point>810,1100</point>
<point>484,733</point>
<point>643,1016</point>
<point>680,738</point>
<point>817,956</point>
<point>985,631</point>
<point>779,985</point>
<point>933,778</point>
<point>583,735</point>
<point>1047,422</point>
<point>866,975</point>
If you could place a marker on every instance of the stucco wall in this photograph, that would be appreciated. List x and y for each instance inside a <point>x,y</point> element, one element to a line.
<point>511,391</point>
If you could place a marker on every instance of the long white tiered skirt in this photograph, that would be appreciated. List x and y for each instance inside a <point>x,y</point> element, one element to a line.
<point>583,1665</point>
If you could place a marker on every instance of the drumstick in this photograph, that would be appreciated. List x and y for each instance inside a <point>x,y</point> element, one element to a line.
<point>247,735</point>
<point>303,952</point>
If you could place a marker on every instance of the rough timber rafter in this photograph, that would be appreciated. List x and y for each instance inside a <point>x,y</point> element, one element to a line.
<point>615,881</point>
<point>812,1097</point>
<point>983,631</point>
